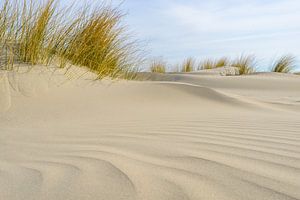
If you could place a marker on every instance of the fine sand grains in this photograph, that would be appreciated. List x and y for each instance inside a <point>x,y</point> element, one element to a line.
<point>5,98</point>
<point>184,137</point>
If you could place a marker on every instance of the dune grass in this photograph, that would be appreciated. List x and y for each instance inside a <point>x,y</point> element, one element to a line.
<point>188,65</point>
<point>99,43</point>
<point>25,29</point>
<point>285,64</point>
<point>206,64</point>
<point>41,32</point>
<point>212,64</point>
<point>245,64</point>
<point>222,62</point>
<point>158,66</point>
<point>33,36</point>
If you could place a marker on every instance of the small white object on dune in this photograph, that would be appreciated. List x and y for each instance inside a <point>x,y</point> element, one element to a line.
<point>223,71</point>
<point>229,71</point>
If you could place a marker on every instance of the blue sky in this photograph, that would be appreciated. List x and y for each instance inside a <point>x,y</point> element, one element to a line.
<point>176,29</point>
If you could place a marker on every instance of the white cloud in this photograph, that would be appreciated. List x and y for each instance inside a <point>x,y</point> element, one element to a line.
<point>237,16</point>
<point>176,29</point>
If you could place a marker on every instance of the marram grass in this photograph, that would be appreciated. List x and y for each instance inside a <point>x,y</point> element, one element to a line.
<point>158,66</point>
<point>43,33</point>
<point>206,64</point>
<point>222,62</point>
<point>212,64</point>
<point>285,64</point>
<point>25,30</point>
<point>188,65</point>
<point>245,64</point>
<point>35,36</point>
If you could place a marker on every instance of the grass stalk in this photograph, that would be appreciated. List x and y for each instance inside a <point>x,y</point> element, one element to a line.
<point>42,33</point>
<point>188,65</point>
<point>158,66</point>
<point>245,64</point>
<point>285,64</point>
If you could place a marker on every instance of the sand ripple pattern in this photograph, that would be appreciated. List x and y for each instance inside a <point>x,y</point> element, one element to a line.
<point>149,142</point>
<point>169,159</point>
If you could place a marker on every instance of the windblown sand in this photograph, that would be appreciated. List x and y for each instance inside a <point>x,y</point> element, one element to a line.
<point>177,136</point>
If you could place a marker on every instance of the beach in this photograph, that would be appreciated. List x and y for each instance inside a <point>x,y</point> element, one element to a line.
<point>170,136</point>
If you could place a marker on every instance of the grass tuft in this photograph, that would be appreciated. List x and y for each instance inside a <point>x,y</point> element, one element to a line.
<point>212,64</point>
<point>32,43</point>
<point>285,64</point>
<point>99,43</point>
<point>41,33</point>
<point>25,29</point>
<point>188,65</point>
<point>207,64</point>
<point>158,66</point>
<point>245,64</point>
<point>222,62</point>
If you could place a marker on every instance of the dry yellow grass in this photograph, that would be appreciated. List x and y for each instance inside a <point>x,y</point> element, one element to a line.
<point>188,65</point>
<point>35,33</point>
<point>214,63</point>
<point>25,29</point>
<point>245,64</point>
<point>158,66</point>
<point>222,62</point>
<point>206,64</point>
<point>285,64</point>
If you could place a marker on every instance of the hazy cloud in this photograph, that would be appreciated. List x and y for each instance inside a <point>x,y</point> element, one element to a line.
<point>176,29</point>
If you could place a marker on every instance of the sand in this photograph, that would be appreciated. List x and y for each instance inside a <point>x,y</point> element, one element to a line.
<point>174,136</point>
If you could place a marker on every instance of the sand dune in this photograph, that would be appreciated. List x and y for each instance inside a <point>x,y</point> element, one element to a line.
<point>175,136</point>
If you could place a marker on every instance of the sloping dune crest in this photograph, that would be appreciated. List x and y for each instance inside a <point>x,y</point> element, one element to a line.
<point>182,136</point>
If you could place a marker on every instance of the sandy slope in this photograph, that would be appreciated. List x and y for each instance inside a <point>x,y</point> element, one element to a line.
<point>191,136</point>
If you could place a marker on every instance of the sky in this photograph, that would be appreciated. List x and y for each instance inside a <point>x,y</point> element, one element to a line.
<point>177,29</point>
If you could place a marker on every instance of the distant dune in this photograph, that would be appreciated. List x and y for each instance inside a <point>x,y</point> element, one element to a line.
<point>174,136</point>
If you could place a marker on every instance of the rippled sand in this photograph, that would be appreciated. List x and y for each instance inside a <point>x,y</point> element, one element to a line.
<point>179,137</point>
